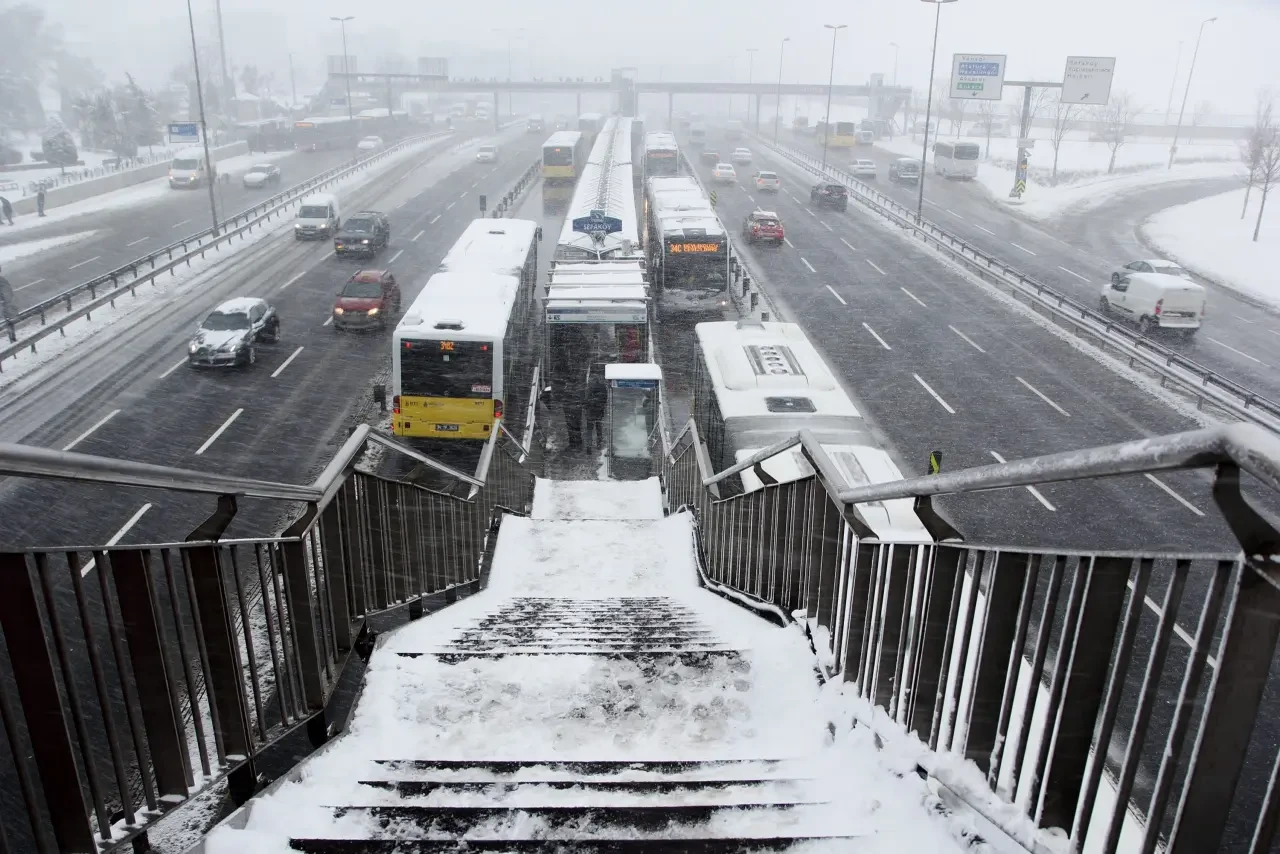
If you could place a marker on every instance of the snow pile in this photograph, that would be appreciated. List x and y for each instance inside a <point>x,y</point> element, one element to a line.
<point>584,499</point>
<point>14,251</point>
<point>1209,237</point>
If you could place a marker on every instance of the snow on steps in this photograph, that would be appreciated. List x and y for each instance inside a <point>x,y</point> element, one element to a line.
<point>592,699</point>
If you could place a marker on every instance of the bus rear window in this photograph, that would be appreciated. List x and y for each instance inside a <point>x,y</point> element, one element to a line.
<point>559,155</point>
<point>966,151</point>
<point>446,369</point>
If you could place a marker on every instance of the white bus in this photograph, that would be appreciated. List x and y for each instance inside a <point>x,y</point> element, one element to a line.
<point>756,384</point>
<point>955,159</point>
<point>687,246</point>
<point>661,154</point>
<point>464,352</point>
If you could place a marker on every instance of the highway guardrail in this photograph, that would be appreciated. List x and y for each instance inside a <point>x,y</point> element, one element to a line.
<point>1203,384</point>
<point>104,290</point>
<point>526,180</point>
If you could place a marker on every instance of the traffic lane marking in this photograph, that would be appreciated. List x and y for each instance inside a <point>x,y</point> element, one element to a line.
<point>86,261</point>
<point>434,218</point>
<point>416,236</point>
<point>1023,248</point>
<point>327,322</point>
<point>913,296</point>
<point>804,261</point>
<point>287,361</point>
<point>117,537</point>
<point>87,433</point>
<point>1038,393</point>
<point>139,240</point>
<point>847,243</point>
<point>1234,350</point>
<point>1073,273</point>
<point>877,269</point>
<point>827,227</point>
<point>788,242</point>
<point>180,224</point>
<point>27,285</point>
<point>966,338</point>
<point>1175,496</point>
<point>935,395</point>
<point>219,431</point>
<point>393,258</point>
<point>834,294</point>
<point>875,335</point>
<point>294,279</point>
<point>1035,492</point>
<point>987,230</point>
<point>175,367</point>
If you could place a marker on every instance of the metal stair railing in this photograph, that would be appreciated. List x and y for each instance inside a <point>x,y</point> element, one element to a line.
<point>1021,660</point>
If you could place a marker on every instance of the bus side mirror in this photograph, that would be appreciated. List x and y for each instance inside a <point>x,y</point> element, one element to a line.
<point>380,396</point>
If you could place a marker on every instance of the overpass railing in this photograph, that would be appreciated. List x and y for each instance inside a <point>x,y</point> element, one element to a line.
<point>1066,679</point>
<point>133,677</point>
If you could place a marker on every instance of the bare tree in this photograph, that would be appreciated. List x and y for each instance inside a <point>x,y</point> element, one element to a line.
<point>1116,118</point>
<point>1251,149</point>
<point>1065,119</point>
<point>988,112</point>
<point>1201,113</point>
<point>958,108</point>
<point>1267,172</point>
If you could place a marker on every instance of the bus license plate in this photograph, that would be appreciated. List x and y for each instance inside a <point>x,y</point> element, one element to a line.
<point>447,428</point>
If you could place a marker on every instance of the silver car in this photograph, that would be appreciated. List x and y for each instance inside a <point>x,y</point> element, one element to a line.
<point>262,175</point>
<point>229,336</point>
<point>1153,265</point>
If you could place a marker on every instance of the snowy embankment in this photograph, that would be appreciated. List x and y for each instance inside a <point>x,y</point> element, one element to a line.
<point>13,251</point>
<point>1209,237</point>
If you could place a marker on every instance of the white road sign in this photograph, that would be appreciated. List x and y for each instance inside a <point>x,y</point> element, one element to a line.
<point>1087,79</point>
<point>977,75</point>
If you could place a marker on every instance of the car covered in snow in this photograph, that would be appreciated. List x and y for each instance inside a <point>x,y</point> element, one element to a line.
<point>230,334</point>
<point>261,175</point>
<point>767,182</point>
<point>1152,265</point>
<point>741,156</point>
<point>724,173</point>
<point>904,170</point>
<point>370,143</point>
<point>865,169</point>
<point>487,153</point>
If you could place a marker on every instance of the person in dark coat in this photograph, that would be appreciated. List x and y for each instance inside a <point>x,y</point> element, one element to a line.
<point>6,209</point>
<point>8,306</point>
<point>571,398</point>
<point>597,401</point>
<point>40,200</point>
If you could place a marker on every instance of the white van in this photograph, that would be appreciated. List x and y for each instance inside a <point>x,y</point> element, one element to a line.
<point>1155,301</point>
<point>189,169</point>
<point>319,216</point>
<point>487,154</point>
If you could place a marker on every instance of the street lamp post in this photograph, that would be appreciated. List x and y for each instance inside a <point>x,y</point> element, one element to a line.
<point>928,104</point>
<point>831,78</point>
<point>1173,149</point>
<point>894,45</point>
<point>751,70</point>
<point>204,127</point>
<point>342,22</point>
<point>777,113</point>
<point>509,33</point>
<point>1173,84</point>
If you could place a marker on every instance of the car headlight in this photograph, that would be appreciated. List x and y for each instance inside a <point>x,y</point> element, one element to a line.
<point>364,241</point>
<point>297,225</point>
<point>192,348</point>
<point>372,312</point>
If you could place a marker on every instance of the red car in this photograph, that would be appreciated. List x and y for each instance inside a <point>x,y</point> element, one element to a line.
<point>367,300</point>
<point>763,225</point>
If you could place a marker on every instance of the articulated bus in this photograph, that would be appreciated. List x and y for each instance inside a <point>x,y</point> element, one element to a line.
<point>687,247</point>
<point>955,159</point>
<point>563,156</point>
<point>838,135</point>
<point>756,384</point>
<point>661,154</point>
<point>464,352</point>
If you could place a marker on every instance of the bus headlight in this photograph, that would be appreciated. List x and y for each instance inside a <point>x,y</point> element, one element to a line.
<point>338,311</point>
<point>372,312</point>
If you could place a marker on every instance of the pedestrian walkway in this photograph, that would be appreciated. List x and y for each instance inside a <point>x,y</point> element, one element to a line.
<point>594,696</point>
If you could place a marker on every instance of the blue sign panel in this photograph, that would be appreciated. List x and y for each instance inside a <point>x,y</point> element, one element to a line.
<point>184,132</point>
<point>646,384</point>
<point>980,69</point>
<point>597,223</point>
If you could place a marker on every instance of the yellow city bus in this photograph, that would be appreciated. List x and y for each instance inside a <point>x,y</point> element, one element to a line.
<point>563,155</point>
<point>839,135</point>
<point>464,352</point>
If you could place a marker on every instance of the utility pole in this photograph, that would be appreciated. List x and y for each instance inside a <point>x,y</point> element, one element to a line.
<point>894,45</point>
<point>777,111</point>
<point>204,128</point>
<point>928,104</point>
<point>293,85</point>
<point>228,85</point>
<point>346,71</point>
<point>751,70</point>
<point>1173,84</point>
<point>1173,149</point>
<point>831,78</point>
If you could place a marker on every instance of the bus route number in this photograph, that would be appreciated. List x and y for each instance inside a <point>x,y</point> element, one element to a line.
<point>446,346</point>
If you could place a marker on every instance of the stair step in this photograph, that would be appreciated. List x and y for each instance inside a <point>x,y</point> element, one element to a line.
<point>422,788</point>
<point>461,819</point>
<point>697,845</point>
<point>594,767</point>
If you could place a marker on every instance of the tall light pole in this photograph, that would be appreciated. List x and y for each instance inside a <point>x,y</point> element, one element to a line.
<point>510,34</point>
<point>777,113</point>
<point>204,127</point>
<point>342,22</point>
<point>1173,149</point>
<point>928,105</point>
<point>831,79</point>
<point>1173,84</point>
<point>894,45</point>
<point>751,70</point>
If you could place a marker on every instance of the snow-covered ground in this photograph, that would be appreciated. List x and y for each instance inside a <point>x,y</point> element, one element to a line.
<point>760,706</point>
<point>1209,237</point>
<point>14,251</point>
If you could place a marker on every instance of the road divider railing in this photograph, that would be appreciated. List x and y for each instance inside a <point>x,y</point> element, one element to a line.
<point>527,179</point>
<point>744,288</point>
<point>105,289</point>
<point>1201,383</point>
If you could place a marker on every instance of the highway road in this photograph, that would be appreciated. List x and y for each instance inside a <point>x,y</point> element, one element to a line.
<point>1077,253</point>
<point>135,398</point>
<point>121,235</point>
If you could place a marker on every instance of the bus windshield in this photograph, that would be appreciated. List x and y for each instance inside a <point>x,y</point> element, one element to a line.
<point>557,155</point>
<point>446,369</point>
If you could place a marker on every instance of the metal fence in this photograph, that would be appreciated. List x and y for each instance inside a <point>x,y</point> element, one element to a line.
<point>1202,384</point>
<point>136,676</point>
<point>1067,678</point>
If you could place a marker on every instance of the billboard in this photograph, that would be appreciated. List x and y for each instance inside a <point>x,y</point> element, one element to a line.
<point>436,66</point>
<point>978,75</point>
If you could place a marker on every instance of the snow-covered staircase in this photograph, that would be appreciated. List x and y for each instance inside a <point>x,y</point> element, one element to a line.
<point>593,698</point>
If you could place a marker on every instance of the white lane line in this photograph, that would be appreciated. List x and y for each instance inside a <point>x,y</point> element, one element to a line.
<point>788,242</point>
<point>953,213</point>
<point>219,432</point>
<point>1234,350</point>
<point>180,224</point>
<point>27,285</point>
<point>847,243</point>
<point>327,322</point>
<point>393,258</point>
<point>85,435</point>
<point>1241,317</point>
<point>805,261</point>
<point>834,294</point>
<point>1038,393</point>
<point>752,198</point>
<point>876,336</point>
<point>327,255</point>
<point>402,204</point>
<point>931,202</point>
<point>179,364</point>
<point>473,186</point>
<point>86,261</point>
<point>811,213</point>
<point>913,296</point>
<point>1073,273</point>
<point>1023,248</point>
<point>139,240</point>
<point>1175,496</point>
<point>936,396</point>
<point>874,267</point>
<point>827,227</point>
<point>446,207</point>
<point>987,230</point>
<point>292,356</point>
<point>1178,630</point>
<point>967,339</point>
<point>419,234</point>
<point>463,195</point>
<point>294,279</point>
<point>434,218</point>
<point>117,536</point>
<point>1030,489</point>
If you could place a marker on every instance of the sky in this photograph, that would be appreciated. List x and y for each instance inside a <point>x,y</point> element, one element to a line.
<point>698,40</point>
